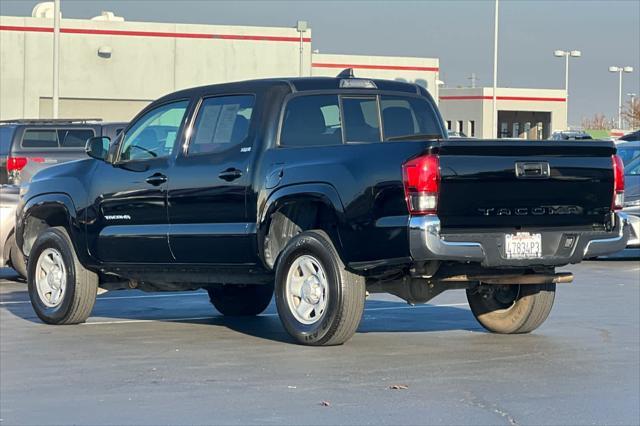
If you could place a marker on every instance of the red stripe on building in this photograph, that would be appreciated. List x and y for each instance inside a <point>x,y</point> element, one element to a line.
<point>502,98</point>
<point>154,34</point>
<point>375,67</point>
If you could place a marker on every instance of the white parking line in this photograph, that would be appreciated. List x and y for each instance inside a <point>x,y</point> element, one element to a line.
<point>262,315</point>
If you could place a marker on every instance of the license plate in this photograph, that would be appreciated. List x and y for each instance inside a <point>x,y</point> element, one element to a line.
<point>523,245</point>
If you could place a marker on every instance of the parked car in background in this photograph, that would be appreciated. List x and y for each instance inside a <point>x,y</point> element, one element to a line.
<point>27,146</point>
<point>456,135</point>
<point>632,198</point>
<point>10,255</point>
<point>570,135</point>
<point>628,150</point>
<point>633,136</point>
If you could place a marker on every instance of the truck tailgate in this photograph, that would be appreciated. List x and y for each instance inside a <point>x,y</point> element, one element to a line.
<point>493,184</point>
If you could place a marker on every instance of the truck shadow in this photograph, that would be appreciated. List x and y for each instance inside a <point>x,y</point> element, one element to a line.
<point>379,317</point>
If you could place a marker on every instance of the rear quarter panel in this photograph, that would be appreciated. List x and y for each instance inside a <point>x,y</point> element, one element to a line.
<point>368,179</point>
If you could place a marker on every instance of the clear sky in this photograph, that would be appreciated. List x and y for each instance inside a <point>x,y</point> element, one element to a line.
<point>458,32</point>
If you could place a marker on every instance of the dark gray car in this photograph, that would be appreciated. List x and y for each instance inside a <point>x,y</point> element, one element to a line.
<point>632,199</point>
<point>28,146</point>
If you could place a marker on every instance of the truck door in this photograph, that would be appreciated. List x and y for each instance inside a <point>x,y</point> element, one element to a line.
<point>129,197</point>
<point>208,185</point>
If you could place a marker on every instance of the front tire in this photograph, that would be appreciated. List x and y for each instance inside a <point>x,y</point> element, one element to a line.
<point>241,300</point>
<point>62,291</point>
<point>319,302</point>
<point>511,309</point>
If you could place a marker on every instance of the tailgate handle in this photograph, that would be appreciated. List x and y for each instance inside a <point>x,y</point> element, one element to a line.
<point>532,170</point>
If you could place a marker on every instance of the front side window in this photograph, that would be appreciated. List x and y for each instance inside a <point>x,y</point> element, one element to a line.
<point>312,120</point>
<point>404,116</point>
<point>361,119</point>
<point>154,134</point>
<point>222,123</point>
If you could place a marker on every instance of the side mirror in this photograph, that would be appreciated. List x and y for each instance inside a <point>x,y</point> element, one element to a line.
<point>98,147</point>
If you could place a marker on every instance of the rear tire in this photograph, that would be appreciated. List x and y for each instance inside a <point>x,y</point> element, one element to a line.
<point>511,309</point>
<point>241,300</point>
<point>62,291</point>
<point>319,302</point>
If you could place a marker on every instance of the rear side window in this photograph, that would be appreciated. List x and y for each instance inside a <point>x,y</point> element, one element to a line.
<point>33,138</point>
<point>222,123</point>
<point>55,138</point>
<point>74,138</point>
<point>361,122</point>
<point>312,120</point>
<point>407,116</point>
<point>6,135</point>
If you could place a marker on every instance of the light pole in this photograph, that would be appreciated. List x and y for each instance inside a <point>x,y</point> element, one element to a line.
<point>632,123</point>
<point>567,54</point>
<point>56,58</point>
<point>302,27</point>
<point>494,118</point>
<point>620,70</point>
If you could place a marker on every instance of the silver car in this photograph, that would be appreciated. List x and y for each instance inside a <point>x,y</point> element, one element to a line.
<point>9,253</point>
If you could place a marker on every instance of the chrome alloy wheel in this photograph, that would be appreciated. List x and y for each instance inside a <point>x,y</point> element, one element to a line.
<point>307,289</point>
<point>51,277</point>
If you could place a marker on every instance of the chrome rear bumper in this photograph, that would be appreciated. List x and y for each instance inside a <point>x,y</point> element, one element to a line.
<point>560,247</point>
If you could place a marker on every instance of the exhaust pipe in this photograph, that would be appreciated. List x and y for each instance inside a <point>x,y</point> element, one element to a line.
<point>526,279</point>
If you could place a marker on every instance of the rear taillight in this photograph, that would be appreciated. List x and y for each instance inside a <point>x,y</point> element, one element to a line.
<point>421,178</point>
<point>15,164</point>
<point>618,183</point>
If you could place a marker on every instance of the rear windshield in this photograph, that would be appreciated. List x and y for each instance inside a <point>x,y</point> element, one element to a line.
<point>6,134</point>
<point>55,138</point>
<point>408,116</point>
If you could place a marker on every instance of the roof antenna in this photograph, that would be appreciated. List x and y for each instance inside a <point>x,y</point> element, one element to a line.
<point>346,73</point>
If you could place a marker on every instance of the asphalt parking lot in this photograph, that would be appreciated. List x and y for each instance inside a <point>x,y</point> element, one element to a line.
<point>169,358</point>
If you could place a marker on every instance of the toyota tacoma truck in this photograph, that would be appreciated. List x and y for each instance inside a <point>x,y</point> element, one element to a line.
<point>320,191</point>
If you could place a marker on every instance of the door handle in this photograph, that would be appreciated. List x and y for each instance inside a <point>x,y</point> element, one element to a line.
<point>156,179</point>
<point>230,174</point>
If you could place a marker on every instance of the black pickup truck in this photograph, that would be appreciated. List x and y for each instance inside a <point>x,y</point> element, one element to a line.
<point>320,190</point>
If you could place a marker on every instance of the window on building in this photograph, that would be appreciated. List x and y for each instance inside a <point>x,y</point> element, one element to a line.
<point>504,130</point>
<point>460,126</point>
<point>222,123</point>
<point>448,124</point>
<point>472,128</point>
<point>312,120</point>
<point>361,120</point>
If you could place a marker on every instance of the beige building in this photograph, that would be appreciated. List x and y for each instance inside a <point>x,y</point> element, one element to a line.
<point>422,71</point>
<point>111,68</point>
<point>522,113</point>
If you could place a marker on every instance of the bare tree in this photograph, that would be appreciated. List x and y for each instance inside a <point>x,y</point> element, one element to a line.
<point>631,114</point>
<point>597,122</point>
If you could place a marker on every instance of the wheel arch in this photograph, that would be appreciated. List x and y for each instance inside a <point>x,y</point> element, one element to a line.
<point>45,211</point>
<point>305,207</point>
